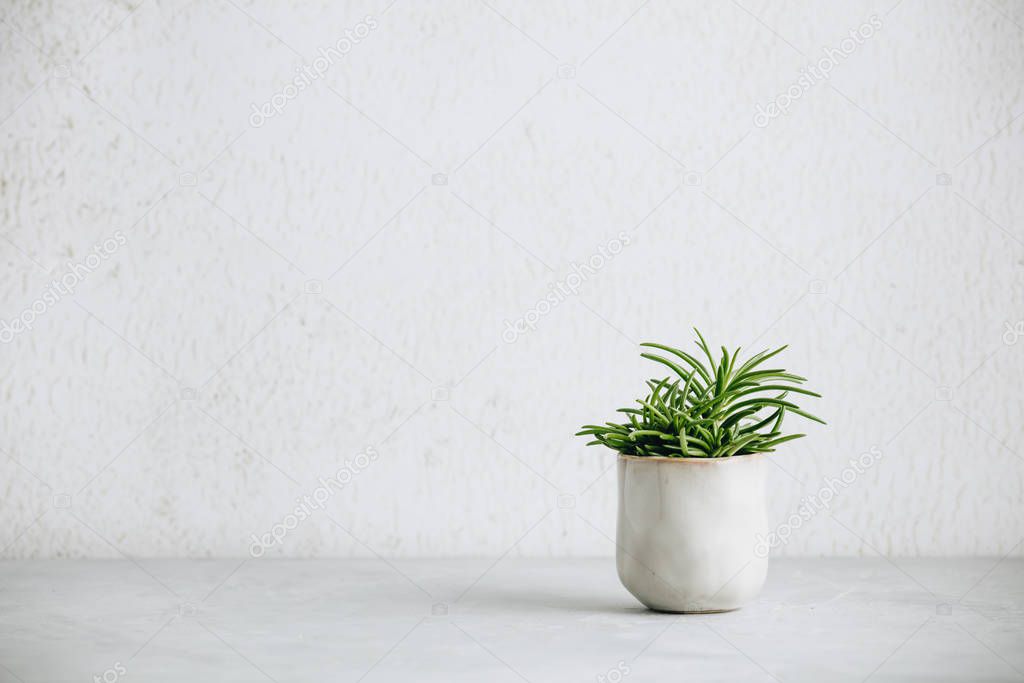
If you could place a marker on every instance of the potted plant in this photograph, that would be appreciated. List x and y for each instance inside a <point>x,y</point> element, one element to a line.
<point>691,476</point>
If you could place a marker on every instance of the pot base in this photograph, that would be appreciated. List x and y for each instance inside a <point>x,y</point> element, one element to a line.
<point>698,611</point>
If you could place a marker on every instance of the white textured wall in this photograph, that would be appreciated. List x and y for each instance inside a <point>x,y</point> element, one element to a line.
<point>829,229</point>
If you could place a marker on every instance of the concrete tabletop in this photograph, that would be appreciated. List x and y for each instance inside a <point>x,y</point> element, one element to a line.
<point>505,620</point>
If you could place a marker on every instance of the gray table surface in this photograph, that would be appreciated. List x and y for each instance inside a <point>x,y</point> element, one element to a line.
<point>507,620</point>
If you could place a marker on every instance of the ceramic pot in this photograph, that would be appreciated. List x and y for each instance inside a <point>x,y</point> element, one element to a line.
<point>689,529</point>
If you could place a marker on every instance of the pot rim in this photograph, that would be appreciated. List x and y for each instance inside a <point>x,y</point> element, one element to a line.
<point>662,458</point>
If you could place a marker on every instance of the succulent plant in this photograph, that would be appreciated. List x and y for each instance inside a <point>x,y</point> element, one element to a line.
<point>713,410</point>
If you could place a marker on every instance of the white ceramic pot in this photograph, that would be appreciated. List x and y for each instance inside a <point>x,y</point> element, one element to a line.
<point>688,531</point>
